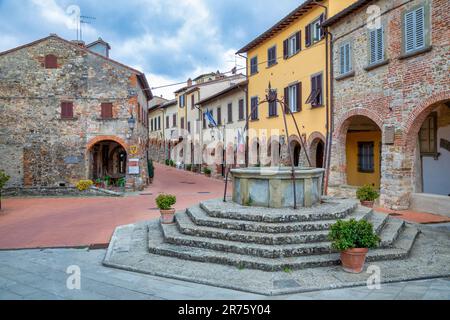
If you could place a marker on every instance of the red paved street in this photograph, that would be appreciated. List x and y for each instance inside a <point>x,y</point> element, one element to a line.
<point>72,222</point>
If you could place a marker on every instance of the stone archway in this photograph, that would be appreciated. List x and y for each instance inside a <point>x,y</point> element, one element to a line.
<point>316,144</point>
<point>296,150</point>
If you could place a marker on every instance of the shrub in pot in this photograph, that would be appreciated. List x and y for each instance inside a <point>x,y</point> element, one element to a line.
<point>165,203</point>
<point>207,172</point>
<point>4,178</point>
<point>367,195</point>
<point>353,239</point>
<point>151,170</point>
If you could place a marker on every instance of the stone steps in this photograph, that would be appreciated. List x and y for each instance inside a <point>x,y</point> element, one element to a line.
<point>264,245</point>
<point>329,210</point>
<point>391,232</point>
<point>201,219</point>
<point>157,245</point>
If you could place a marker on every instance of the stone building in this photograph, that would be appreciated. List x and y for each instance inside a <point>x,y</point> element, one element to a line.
<point>68,113</point>
<point>156,129</point>
<point>392,101</point>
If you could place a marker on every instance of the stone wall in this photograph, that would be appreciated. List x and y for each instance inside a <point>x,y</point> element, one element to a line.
<point>37,146</point>
<point>57,192</point>
<point>396,95</point>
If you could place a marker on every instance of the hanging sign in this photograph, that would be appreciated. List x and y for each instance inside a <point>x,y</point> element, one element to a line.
<point>133,166</point>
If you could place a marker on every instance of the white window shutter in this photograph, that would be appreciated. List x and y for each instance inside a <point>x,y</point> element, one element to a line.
<point>409,31</point>
<point>347,58</point>
<point>373,46</point>
<point>420,27</point>
<point>380,45</point>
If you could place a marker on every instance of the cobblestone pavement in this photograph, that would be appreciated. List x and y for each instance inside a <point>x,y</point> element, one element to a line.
<point>41,275</point>
<point>73,222</point>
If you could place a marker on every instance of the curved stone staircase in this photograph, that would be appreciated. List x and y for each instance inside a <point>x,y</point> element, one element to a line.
<point>272,239</point>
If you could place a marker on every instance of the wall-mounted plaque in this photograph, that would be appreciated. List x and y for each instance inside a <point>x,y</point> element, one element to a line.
<point>72,160</point>
<point>133,166</point>
<point>389,135</point>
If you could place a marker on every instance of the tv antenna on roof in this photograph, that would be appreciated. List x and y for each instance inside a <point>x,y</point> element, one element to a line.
<point>84,20</point>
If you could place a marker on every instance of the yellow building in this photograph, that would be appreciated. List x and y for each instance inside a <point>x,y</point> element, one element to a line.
<point>293,57</point>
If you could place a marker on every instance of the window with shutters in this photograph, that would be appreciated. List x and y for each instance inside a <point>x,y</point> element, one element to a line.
<point>316,96</point>
<point>366,157</point>
<point>376,46</point>
<point>192,101</point>
<point>271,56</point>
<point>107,110</point>
<point>254,108</point>
<point>241,110</point>
<point>345,58</point>
<point>189,126</point>
<point>414,30</point>
<point>273,109</point>
<point>51,61</point>
<point>428,136</point>
<point>167,122</point>
<point>253,65</point>
<point>219,116</point>
<point>292,98</point>
<point>314,32</point>
<point>182,101</point>
<point>66,110</point>
<point>174,120</point>
<point>291,46</point>
<point>230,113</point>
<point>182,122</point>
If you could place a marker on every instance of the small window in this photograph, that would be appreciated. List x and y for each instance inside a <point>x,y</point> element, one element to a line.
<point>189,126</point>
<point>314,32</point>
<point>230,113</point>
<point>51,61</point>
<point>192,102</point>
<point>253,65</point>
<point>428,136</point>
<point>107,110</point>
<point>174,120</point>
<point>66,110</point>
<point>273,112</point>
<point>291,46</point>
<point>167,122</point>
<point>292,98</point>
<point>241,110</point>
<point>376,39</point>
<point>272,56</point>
<point>182,101</point>
<point>254,110</point>
<point>182,122</point>
<point>345,58</point>
<point>366,161</point>
<point>219,116</point>
<point>316,96</point>
<point>414,30</point>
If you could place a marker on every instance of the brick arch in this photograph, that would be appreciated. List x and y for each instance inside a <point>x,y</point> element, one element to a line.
<point>419,114</point>
<point>313,143</point>
<point>315,136</point>
<point>98,139</point>
<point>345,120</point>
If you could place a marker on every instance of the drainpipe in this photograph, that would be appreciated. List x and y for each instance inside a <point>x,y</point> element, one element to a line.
<point>329,113</point>
<point>246,111</point>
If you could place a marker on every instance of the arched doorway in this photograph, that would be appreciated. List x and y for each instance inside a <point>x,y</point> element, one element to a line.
<point>363,152</point>
<point>108,161</point>
<point>296,150</point>
<point>320,154</point>
<point>432,150</point>
<point>316,143</point>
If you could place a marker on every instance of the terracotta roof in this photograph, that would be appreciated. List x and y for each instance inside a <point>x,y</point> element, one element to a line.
<point>198,85</point>
<point>224,92</point>
<point>141,76</point>
<point>281,25</point>
<point>169,103</point>
<point>344,13</point>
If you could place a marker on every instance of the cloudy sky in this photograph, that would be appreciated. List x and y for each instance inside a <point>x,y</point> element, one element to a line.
<point>170,40</point>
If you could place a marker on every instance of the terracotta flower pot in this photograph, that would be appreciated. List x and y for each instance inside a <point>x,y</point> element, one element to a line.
<point>353,260</point>
<point>368,204</point>
<point>167,216</point>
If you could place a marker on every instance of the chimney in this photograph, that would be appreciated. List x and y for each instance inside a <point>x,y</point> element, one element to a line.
<point>79,43</point>
<point>189,82</point>
<point>100,46</point>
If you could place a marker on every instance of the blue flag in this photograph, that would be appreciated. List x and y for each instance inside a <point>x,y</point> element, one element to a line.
<point>211,118</point>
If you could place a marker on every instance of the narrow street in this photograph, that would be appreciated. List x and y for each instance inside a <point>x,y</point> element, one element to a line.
<point>78,222</point>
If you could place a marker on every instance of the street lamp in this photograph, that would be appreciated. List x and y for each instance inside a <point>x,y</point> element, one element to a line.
<point>132,123</point>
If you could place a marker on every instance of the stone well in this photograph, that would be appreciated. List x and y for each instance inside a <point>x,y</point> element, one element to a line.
<point>272,187</point>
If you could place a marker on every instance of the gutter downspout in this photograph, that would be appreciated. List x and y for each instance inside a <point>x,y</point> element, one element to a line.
<point>328,107</point>
<point>246,110</point>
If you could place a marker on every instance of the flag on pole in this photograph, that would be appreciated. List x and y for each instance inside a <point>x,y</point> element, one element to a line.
<point>211,118</point>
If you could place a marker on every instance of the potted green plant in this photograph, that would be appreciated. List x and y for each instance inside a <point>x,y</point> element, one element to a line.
<point>165,203</point>
<point>207,172</point>
<point>353,239</point>
<point>367,195</point>
<point>4,178</point>
<point>188,167</point>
